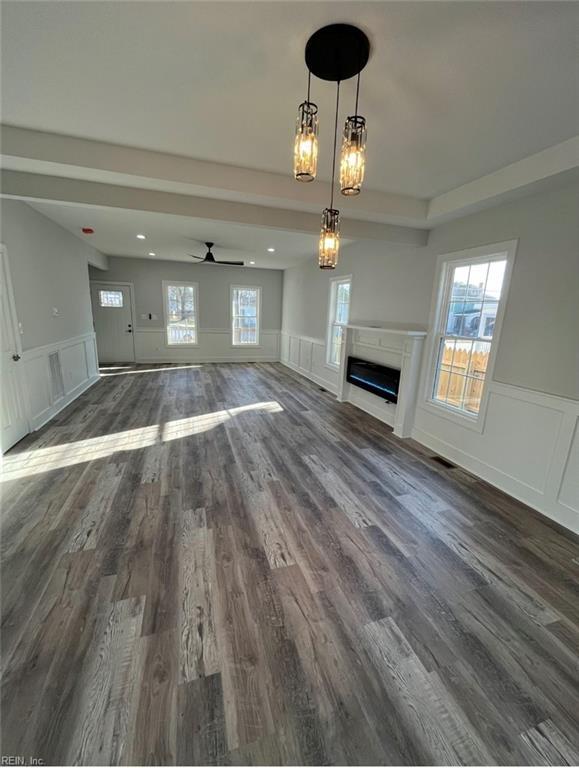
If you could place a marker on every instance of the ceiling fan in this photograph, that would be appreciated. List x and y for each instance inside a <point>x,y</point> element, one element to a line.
<point>209,258</point>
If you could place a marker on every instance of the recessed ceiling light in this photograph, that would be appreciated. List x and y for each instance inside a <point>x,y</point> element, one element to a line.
<point>141,237</point>
<point>252,262</point>
<point>271,250</point>
<point>152,253</point>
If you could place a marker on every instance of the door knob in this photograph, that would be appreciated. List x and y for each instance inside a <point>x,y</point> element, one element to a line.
<point>16,358</point>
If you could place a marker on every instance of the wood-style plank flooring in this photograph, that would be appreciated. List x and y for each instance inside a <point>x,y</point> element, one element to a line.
<point>220,564</point>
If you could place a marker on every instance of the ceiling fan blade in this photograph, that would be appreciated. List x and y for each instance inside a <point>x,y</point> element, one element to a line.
<point>232,263</point>
<point>201,258</point>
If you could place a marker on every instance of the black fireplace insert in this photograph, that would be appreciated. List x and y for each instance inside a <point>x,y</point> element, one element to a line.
<point>375,378</point>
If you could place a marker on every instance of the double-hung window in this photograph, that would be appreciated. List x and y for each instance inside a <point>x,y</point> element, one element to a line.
<point>468,322</point>
<point>340,291</point>
<point>181,311</point>
<point>245,315</point>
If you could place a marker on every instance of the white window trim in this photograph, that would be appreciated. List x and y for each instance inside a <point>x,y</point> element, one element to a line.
<point>257,288</point>
<point>447,262</point>
<point>186,284</point>
<point>333,292</point>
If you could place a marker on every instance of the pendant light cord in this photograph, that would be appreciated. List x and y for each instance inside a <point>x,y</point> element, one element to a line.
<point>357,94</point>
<point>309,80</point>
<point>335,143</point>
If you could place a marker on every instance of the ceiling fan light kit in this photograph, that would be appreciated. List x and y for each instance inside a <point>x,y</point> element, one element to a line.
<point>333,53</point>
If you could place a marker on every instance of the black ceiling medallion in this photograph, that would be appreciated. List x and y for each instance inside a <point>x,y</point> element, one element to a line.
<point>333,53</point>
<point>337,52</point>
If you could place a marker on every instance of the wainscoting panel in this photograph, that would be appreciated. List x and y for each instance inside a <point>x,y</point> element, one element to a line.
<point>307,356</point>
<point>569,488</point>
<point>56,374</point>
<point>528,448</point>
<point>214,347</point>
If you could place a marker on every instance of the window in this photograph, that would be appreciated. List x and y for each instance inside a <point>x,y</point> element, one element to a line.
<point>111,298</point>
<point>340,291</point>
<point>473,292</point>
<point>245,309</point>
<point>180,312</point>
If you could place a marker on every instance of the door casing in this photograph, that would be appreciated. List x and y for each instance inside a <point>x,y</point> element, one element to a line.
<point>22,418</point>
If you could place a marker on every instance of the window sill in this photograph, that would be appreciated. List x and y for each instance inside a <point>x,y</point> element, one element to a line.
<point>474,423</point>
<point>181,346</point>
<point>246,346</point>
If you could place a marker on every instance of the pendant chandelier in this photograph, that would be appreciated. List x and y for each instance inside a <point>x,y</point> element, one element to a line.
<point>329,245</point>
<point>306,141</point>
<point>333,53</point>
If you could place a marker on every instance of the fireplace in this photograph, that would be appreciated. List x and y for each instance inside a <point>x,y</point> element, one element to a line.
<point>378,379</point>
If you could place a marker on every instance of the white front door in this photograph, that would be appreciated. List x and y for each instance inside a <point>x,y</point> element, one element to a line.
<point>14,420</point>
<point>113,322</point>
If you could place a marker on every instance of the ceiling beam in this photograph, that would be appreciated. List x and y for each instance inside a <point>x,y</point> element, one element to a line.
<point>39,187</point>
<point>525,176</point>
<point>57,155</point>
<point>218,191</point>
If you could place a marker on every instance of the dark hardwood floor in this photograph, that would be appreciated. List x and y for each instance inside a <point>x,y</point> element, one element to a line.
<point>220,564</point>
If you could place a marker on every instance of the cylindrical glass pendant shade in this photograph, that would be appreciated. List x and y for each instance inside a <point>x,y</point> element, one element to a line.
<point>329,239</point>
<point>306,142</point>
<point>353,156</point>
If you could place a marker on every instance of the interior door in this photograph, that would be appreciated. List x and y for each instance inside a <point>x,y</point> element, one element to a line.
<point>14,423</point>
<point>113,322</point>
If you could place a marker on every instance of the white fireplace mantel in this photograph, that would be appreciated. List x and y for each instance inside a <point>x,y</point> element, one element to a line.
<point>399,346</point>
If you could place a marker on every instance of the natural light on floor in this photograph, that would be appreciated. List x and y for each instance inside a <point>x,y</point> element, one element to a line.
<point>34,462</point>
<point>124,370</point>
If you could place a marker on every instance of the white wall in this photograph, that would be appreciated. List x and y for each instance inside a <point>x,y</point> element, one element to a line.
<point>147,276</point>
<point>388,283</point>
<point>49,269</point>
<point>538,348</point>
<point>530,442</point>
<point>529,446</point>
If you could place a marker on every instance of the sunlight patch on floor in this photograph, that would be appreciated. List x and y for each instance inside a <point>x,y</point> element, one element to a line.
<point>40,460</point>
<point>124,370</point>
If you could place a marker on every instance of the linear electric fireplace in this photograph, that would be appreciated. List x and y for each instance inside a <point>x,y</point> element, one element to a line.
<point>375,378</point>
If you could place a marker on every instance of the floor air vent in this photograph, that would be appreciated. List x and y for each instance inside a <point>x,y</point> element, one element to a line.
<point>443,462</point>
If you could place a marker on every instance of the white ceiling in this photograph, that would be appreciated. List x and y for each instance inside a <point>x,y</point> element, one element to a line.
<point>175,237</point>
<point>453,91</point>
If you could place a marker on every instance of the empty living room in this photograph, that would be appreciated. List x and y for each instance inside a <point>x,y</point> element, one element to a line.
<point>289,383</point>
